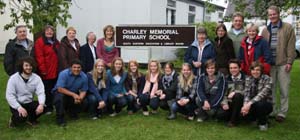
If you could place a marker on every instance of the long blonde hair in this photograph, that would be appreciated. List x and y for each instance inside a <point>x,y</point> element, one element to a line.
<point>148,74</point>
<point>95,73</point>
<point>186,83</point>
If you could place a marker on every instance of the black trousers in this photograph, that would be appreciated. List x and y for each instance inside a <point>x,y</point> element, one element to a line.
<point>234,112</point>
<point>259,111</point>
<point>49,85</point>
<point>30,108</point>
<point>66,103</point>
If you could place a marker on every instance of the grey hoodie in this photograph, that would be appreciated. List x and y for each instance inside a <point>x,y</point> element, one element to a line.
<point>18,92</point>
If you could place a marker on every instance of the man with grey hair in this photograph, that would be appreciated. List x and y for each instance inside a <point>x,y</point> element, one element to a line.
<point>17,48</point>
<point>281,37</point>
<point>87,53</point>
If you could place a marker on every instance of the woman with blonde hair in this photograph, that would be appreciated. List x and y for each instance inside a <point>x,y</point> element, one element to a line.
<point>186,91</point>
<point>97,92</point>
<point>134,85</point>
<point>68,49</point>
<point>254,48</point>
<point>151,91</point>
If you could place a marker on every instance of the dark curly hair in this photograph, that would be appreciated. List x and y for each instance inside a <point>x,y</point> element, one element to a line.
<point>27,59</point>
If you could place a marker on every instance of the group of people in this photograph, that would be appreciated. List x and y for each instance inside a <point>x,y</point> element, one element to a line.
<point>226,79</point>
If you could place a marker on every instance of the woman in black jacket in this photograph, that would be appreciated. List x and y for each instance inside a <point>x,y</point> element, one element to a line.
<point>134,85</point>
<point>224,49</point>
<point>168,84</point>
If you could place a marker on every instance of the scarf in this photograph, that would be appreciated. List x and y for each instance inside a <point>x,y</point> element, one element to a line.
<point>153,79</point>
<point>167,80</point>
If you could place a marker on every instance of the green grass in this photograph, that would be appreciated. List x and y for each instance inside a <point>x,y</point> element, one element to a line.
<point>153,127</point>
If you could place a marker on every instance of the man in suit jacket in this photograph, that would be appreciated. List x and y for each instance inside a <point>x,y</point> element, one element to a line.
<point>88,53</point>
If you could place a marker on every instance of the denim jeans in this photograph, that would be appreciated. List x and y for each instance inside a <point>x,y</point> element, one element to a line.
<point>187,109</point>
<point>119,103</point>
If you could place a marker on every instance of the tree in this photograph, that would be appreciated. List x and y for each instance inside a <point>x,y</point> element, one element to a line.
<point>37,13</point>
<point>257,8</point>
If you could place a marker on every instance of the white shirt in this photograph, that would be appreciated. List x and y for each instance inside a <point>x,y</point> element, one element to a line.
<point>237,77</point>
<point>73,45</point>
<point>117,78</point>
<point>92,47</point>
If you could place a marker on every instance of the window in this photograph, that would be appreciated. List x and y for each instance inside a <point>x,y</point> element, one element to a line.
<point>191,18</point>
<point>170,16</point>
<point>207,16</point>
<point>220,15</point>
<point>171,12</point>
<point>191,14</point>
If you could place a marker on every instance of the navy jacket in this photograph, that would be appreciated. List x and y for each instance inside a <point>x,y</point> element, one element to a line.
<point>100,94</point>
<point>86,57</point>
<point>213,93</point>
<point>191,55</point>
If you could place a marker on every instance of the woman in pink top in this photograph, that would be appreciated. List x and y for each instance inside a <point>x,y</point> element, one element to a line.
<point>106,49</point>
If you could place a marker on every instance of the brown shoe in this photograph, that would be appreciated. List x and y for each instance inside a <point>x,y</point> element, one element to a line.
<point>279,119</point>
<point>230,124</point>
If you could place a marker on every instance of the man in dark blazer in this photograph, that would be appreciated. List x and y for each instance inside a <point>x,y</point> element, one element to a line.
<point>88,54</point>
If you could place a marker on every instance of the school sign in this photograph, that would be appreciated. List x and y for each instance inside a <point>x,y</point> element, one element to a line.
<point>151,35</point>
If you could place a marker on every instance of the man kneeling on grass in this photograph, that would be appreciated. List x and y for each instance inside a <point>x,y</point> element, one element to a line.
<point>19,94</point>
<point>70,92</point>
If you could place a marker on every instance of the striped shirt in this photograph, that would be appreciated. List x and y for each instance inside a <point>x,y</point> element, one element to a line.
<point>274,40</point>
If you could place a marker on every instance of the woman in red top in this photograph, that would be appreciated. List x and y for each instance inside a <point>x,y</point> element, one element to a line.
<point>254,48</point>
<point>45,50</point>
<point>106,49</point>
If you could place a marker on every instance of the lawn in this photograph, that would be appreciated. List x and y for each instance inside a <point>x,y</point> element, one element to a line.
<point>152,127</point>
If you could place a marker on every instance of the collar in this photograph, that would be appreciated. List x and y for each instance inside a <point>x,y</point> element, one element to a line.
<point>280,23</point>
<point>238,77</point>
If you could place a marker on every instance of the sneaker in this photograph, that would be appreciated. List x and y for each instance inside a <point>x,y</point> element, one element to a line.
<point>11,124</point>
<point>48,113</point>
<point>113,114</point>
<point>95,118</point>
<point>154,112</point>
<point>279,119</point>
<point>200,120</point>
<point>145,113</point>
<point>263,127</point>
<point>190,118</point>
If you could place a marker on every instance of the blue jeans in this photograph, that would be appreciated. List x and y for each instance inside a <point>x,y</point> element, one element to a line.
<point>119,103</point>
<point>187,109</point>
<point>91,105</point>
<point>145,100</point>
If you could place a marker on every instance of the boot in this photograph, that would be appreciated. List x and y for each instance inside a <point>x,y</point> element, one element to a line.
<point>172,115</point>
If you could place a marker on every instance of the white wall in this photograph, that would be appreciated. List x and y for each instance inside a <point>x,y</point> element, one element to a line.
<point>93,15</point>
<point>199,14</point>
<point>182,10</point>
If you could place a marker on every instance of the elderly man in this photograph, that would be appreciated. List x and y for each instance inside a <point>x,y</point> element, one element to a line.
<point>281,37</point>
<point>17,48</point>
